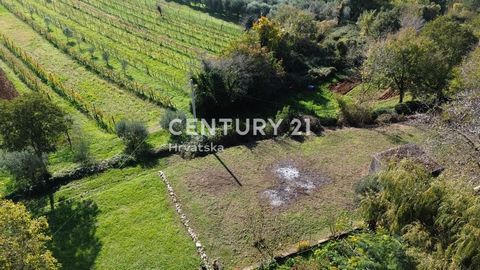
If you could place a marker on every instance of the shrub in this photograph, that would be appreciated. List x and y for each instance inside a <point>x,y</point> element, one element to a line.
<point>367,185</point>
<point>355,114</point>
<point>81,152</point>
<point>28,170</point>
<point>303,245</point>
<point>134,134</point>
<point>437,218</point>
<point>286,114</point>
<point>168,117</point>
<point>411,107</point>
<point>387,118</point>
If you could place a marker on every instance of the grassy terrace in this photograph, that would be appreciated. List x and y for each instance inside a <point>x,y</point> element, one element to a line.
<point>121,219</point>
<point>143,47</point>
<point>230,218</point>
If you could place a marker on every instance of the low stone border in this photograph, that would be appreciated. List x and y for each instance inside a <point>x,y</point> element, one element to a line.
<point>186,222</point>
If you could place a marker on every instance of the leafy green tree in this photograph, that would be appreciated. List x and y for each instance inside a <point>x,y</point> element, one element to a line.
<point>31,123</point>
<point>237,82</point>
<point>23,240</point>
<point>298,23</point>
<point>379,24</point>
<point>170,116</point>
<point>452,38</point>
<point>134,134</point>
<point>27,169</point>
<point>407,63</point>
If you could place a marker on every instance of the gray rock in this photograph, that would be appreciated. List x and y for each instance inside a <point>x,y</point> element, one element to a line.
<point>408,151</point>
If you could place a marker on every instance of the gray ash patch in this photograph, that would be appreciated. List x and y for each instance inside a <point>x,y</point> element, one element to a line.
<point>294,179</point>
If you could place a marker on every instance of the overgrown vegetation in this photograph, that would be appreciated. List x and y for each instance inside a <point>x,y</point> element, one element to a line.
<point>437,218</point>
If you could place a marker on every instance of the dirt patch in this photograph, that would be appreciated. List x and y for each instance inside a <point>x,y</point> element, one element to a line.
<point>388,94</point>
<point>7,91</point>
<point>293,179</point>
<point>344,87</point>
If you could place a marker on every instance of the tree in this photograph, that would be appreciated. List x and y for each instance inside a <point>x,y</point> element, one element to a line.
<point>237,82</point>
<point>407,62</point>
<point>379,24</point>
<point>23,239</point>
<point>452,38</point>
<point>27,169</point>
<point>300,24</point>
<point>134,134</point>
<point>31,123</point>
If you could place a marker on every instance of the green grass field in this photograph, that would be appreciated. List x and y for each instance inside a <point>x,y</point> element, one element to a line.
<point>121,219</point>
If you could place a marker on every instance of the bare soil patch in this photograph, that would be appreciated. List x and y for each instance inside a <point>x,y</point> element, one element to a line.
<point>344,87</point>
<point>294,178</point>
<point>7,90</point>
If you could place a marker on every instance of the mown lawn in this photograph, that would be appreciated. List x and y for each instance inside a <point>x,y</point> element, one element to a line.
<point>121,219</point>
<point>230,218</point>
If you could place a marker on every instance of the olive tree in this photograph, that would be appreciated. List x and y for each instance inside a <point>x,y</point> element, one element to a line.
<point>134,134</point>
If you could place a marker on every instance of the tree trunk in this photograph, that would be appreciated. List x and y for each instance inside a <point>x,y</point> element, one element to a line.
<point>402,94</point>
<point>68,139</point>
<point>52,202</point>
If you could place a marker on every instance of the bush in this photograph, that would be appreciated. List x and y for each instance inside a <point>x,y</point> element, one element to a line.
<point>134,134</point>
<point>168,117</point>
<point>286,114</point>
<point>367,185</point>
<point>411,107</point>
<point>303,245</point>
<point>387,118</point>
<point>28,170</point>
<point>81,152</point>
<point>355,114</point>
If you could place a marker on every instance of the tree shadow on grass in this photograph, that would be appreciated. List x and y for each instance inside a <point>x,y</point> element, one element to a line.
<point>73,227</point>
